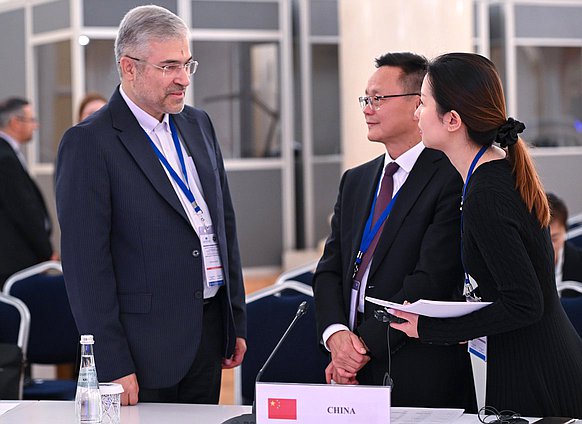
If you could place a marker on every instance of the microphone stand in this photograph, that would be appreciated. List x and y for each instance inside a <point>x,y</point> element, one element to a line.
<point>251,418</point>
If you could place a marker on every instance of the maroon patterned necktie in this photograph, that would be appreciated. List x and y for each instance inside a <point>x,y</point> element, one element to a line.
<point>384,198</point>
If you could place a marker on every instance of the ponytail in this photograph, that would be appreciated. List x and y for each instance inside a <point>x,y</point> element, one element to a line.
<point>527,181</point>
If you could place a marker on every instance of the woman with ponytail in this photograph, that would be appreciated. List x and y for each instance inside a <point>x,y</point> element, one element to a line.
<point>534,355</point>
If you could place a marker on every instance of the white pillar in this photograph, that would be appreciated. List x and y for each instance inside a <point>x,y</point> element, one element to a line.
<point>370,28</point>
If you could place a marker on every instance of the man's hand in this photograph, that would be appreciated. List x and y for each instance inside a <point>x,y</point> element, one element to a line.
<point>130,389</point>
<point>348,354</point>
<point>331,373</point>
<point>239,353</point>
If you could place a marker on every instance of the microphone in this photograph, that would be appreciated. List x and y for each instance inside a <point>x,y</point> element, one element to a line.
<point>252,417</point>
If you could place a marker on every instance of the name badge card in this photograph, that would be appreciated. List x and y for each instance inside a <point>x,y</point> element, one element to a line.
<point>211,253</point>
<point>322,403</point>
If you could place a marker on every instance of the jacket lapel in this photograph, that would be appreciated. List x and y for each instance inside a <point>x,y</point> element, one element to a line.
<point>361,206</point>
<point>137,144</point>
<point>419,177</point>
<point>193,137</point>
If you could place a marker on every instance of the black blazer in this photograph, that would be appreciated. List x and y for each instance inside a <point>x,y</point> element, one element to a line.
<point>24,220</point>
<point>132,262</point>
<point>418,256</point>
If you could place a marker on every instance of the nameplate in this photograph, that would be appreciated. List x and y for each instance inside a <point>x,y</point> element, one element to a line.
<point>322,403</point>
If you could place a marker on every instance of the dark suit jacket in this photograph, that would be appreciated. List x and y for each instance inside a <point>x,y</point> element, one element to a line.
<point>418,256</point>
<point>572,266</point>
<point>132,262</point>
<point>24,236</point>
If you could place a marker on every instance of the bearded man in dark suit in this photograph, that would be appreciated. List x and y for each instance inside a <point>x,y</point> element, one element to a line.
<point>150,253</point>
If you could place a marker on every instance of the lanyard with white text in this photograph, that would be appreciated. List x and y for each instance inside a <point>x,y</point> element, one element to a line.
<point>370,232</point>
<point>469,289</point>
<point>183,185</point>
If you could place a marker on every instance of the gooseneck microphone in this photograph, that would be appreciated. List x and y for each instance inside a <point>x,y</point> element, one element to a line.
<point>252,417</point>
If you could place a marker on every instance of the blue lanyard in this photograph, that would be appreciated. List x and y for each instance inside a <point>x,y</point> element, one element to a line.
<point>468,285</point>
<point>183,185</point>
<point>369,231</point>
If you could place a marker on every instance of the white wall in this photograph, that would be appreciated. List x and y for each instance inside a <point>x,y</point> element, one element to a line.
<point>370,28</point>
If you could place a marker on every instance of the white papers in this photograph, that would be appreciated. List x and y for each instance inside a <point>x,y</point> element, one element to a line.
<point>7,406</point>
<point>433,308</point>
<point>423,415</point>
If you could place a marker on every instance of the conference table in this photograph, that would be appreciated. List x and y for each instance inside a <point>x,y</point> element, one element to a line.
<point>63,412</point>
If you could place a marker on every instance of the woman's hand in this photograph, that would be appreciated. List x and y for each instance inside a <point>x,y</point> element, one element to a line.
<point>410,327</point>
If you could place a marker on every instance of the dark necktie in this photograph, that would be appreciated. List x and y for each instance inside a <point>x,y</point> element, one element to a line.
<point>384,198</point>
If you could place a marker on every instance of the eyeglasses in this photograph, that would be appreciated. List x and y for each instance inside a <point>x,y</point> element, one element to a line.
<point>174,69</point>
<point>374,101</point>
<point>27,120</point>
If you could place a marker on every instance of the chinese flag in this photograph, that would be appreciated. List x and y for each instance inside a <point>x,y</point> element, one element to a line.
<point>283,409</point>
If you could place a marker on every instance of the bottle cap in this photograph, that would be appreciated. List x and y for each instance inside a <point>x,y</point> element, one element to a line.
<point>110,388</point>
<point>87,339</point>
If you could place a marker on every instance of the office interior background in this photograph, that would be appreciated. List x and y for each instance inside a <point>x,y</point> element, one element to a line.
<point>280,80</point>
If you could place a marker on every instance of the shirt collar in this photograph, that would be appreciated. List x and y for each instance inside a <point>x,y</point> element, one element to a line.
<point>13,143</point>
<point>407,159</point>
<point>145,120</point>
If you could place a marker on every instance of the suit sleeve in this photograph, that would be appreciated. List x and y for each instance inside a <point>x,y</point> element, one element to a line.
<point>85,216</point>
<point>328,287</point>
<point>235,279</point>
<point>438,274</point>
<point>21,207</point>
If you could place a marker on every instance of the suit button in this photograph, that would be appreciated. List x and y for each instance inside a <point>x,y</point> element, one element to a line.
<point>198,294</point>
<point>196,253</point>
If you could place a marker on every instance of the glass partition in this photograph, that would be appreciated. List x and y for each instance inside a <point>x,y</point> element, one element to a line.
<point>549,84</point>
<point>54,99</point>
<point>238,85</point>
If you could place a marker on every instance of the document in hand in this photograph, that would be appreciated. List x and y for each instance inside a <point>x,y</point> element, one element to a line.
<point>432,308</point>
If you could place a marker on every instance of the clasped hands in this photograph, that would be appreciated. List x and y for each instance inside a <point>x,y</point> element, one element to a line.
<point>349,354</point>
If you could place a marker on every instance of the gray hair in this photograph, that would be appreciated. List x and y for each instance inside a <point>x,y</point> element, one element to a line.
<point>9,108</point>
<point>144,24</point>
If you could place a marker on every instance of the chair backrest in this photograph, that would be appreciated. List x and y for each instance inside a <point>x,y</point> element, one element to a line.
<point>571,287</point>
<point>574,221</point>
<point>15,319</point>
<point>300,359</point>
<point>54,338</point>
<point>302,274</point>
<point>574,236</point>
<point>14,328</point>
<point>573,308</point>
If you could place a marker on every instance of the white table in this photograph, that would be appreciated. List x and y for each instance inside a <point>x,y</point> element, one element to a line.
<point>63,412</point>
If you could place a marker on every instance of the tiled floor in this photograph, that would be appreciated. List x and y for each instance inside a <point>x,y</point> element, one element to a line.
<point>251,284</point>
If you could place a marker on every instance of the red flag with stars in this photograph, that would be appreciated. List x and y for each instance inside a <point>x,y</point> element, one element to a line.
<point>283,409</point>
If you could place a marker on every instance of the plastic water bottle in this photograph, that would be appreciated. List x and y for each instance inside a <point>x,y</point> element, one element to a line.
<point>88,398</point>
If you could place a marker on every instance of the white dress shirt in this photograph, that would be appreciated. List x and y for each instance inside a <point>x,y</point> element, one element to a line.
<point>161,135</point>
<point>16,147</point>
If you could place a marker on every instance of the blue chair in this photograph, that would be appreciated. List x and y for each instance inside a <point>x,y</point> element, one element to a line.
<point>54,338</point>
<point>15,319</point>
<point>302,274</point>
<point>573,308</point>
<point>300,358</point>
<point>574,222</point>
<point>575,236</point>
